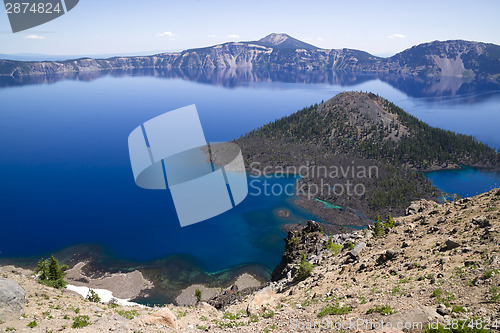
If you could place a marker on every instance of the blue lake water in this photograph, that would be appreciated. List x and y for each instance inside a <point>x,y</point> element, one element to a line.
<point>66,179</point>
<point>465,182</point>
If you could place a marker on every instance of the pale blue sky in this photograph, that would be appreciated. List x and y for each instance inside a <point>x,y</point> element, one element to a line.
<point>128,27</point>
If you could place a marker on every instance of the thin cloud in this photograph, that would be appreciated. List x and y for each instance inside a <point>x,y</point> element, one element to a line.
<point>168,34</point>
<point>397,36</point>
<point>233,36</point>
<point>34,37</point>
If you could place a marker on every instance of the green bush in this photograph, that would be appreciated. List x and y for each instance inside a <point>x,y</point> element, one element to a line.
<point>32,324</point>
<point>389,222</point>
<point>267,314</point>
<point>437,292</point>
<point>489,273</point>
<point>305,269</point>
<point>81,321</point>
<point>113,303</point>
<point>234,316</point>
<point>129,314</point>
<point>382,309</point>
<point>198,295</point>
<point>495,296</point>
<point>334,248</point>
<point>381,228</point>
<point>378,229</point>
<point>93,297</point>
<point>334,309</point>
<point>50,273</point>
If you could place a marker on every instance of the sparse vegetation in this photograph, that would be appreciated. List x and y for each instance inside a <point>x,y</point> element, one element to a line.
<point>268,313</point>
<point>80,321</point>
<point>489,273</point>
<point>32,324</point>
<point>50,273</point>
<point>92,296</point>
<point>334,309</point>
<point>198,295</point>
<point>495,296</point>
<point>457,308</point>
<point>334,248</point>
<point>129,314</point>
<point>113,303</point>
<point>181,314</point>
<point>305,269</point>
<point>437,292</point>
<point>234,316</point>
<point>382,309</point>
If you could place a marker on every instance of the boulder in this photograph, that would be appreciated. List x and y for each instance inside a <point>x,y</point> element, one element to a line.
<point>450,244</point>
<point>481,221</point>
<point>357,249</point>
<point>12,300</point>
<point>442,310</point>
<point>208,309</point>
<point>386,256</point>
<point>264,299</point>
<point>420,315</point>
<point>162,317</point>
<point>419,206</point>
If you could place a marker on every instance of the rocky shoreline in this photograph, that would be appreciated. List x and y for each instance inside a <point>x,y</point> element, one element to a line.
<point>122,285</point>
<point>243,282</point>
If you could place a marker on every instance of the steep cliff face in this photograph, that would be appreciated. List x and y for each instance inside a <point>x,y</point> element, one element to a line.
<point>19,68</point>
<point>450,58</point>
<point>280,51</point>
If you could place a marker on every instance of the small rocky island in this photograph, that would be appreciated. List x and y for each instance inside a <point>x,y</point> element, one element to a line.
<point>359,155</point>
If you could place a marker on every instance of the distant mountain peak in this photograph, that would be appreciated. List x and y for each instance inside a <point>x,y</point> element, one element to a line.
<point>275,39</point>
<point>284,41</point>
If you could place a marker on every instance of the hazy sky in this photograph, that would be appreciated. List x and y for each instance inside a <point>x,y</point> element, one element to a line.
<point>128,27</point>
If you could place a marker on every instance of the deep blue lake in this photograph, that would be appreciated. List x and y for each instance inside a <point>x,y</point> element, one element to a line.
<point>66,179</point>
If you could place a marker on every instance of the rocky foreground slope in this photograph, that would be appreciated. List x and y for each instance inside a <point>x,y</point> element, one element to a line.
<point>440,263</point>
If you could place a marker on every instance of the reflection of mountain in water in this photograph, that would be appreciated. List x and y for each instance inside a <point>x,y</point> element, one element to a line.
<point>235,77</point>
